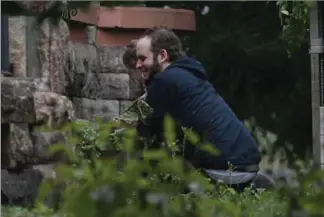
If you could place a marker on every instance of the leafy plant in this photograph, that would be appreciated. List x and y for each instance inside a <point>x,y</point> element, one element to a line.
<point>156,183</point>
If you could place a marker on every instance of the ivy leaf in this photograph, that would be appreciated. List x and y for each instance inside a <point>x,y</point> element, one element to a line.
<point>285,12</point>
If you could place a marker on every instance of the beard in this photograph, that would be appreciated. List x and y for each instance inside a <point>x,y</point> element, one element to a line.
<point>153,70</point>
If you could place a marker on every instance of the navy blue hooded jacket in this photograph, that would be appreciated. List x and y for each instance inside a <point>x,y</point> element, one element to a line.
<point>183,91</point>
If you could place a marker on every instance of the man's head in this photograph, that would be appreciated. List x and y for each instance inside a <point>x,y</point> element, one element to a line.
<point>157,49</point>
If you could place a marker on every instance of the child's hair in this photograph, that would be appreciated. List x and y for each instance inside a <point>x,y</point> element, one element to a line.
<point>129,57</point>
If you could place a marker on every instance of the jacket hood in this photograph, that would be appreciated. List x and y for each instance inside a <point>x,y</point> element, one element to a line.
<point>190,64</point>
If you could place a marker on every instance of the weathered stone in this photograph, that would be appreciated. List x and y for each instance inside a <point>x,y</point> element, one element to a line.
<point>89,109</point>
<point>76,86</point>
<point>110,59</point>
<point>106,86</point>
<point>20,188</point>
<point>124,104</point>
<point>136,89</point>
<point>17,45</point>
<point>82,58</point>
<point>91,33</point>
<point>42,141</point>
<point>21,148</point>
<point>17,100</point>
<point>47,170</point>
<point>52,109</point>
<point>24,147</point>
<point>53,53</point>
<point>20,103</point>
<point>35,6</point>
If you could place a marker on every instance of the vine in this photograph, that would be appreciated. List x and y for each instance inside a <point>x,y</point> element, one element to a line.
<point>294,17</point>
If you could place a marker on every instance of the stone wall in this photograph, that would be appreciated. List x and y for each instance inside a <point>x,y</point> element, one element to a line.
<point>71,80</point>
<point>101,85</point>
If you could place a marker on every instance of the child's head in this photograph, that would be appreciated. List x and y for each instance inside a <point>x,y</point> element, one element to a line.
<point>130,60</point>
<point>129,57</point>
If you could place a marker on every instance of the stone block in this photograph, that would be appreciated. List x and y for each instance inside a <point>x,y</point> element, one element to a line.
<point>82,58</point>
<point>52,47</point>
<point>20,188</point>
<point>21,103</point>
<point>17,100</point>
<point>52,109</point>
<point>124,104</point>
<point>42,141</point>
<point>106,86</point>
<point>17,148</point>
<point>26,145</point>
<point>90,109</point>
<point>110,59</point>
<point>136,89</point>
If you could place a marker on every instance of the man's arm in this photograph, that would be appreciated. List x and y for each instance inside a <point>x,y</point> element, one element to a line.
<point>159,98</point>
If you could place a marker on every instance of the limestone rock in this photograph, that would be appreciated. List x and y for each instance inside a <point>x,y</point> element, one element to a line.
<point>16,145</point>
<point>82,58</point>
<point>52,109</point>
<point>17,100</point>
<point>27,145</point>
<point>106,86</point>
<point>53,52</point>
<point>110,59</point>
<point>89,109</point>
<point>21,148</point>
<point>22,103</point>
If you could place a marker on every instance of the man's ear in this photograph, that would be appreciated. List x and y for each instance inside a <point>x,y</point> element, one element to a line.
<point>164,56</point>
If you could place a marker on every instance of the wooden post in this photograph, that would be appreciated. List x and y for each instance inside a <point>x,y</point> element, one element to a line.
<point>317,77</point>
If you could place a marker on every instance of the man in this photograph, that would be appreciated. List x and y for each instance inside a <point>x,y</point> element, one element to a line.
<point>178,86</point>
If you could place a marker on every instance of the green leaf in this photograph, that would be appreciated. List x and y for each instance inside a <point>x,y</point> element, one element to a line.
<point>285,12</point>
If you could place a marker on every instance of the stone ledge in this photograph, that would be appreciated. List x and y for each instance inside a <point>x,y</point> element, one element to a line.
<point>119,25</point>
<point>146,17</point>
<point>22,103</point>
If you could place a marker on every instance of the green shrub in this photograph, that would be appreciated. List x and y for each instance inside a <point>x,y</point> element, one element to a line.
<point>93,183</point>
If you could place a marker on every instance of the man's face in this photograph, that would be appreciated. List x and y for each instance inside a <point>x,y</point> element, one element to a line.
<point>147,62</point>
